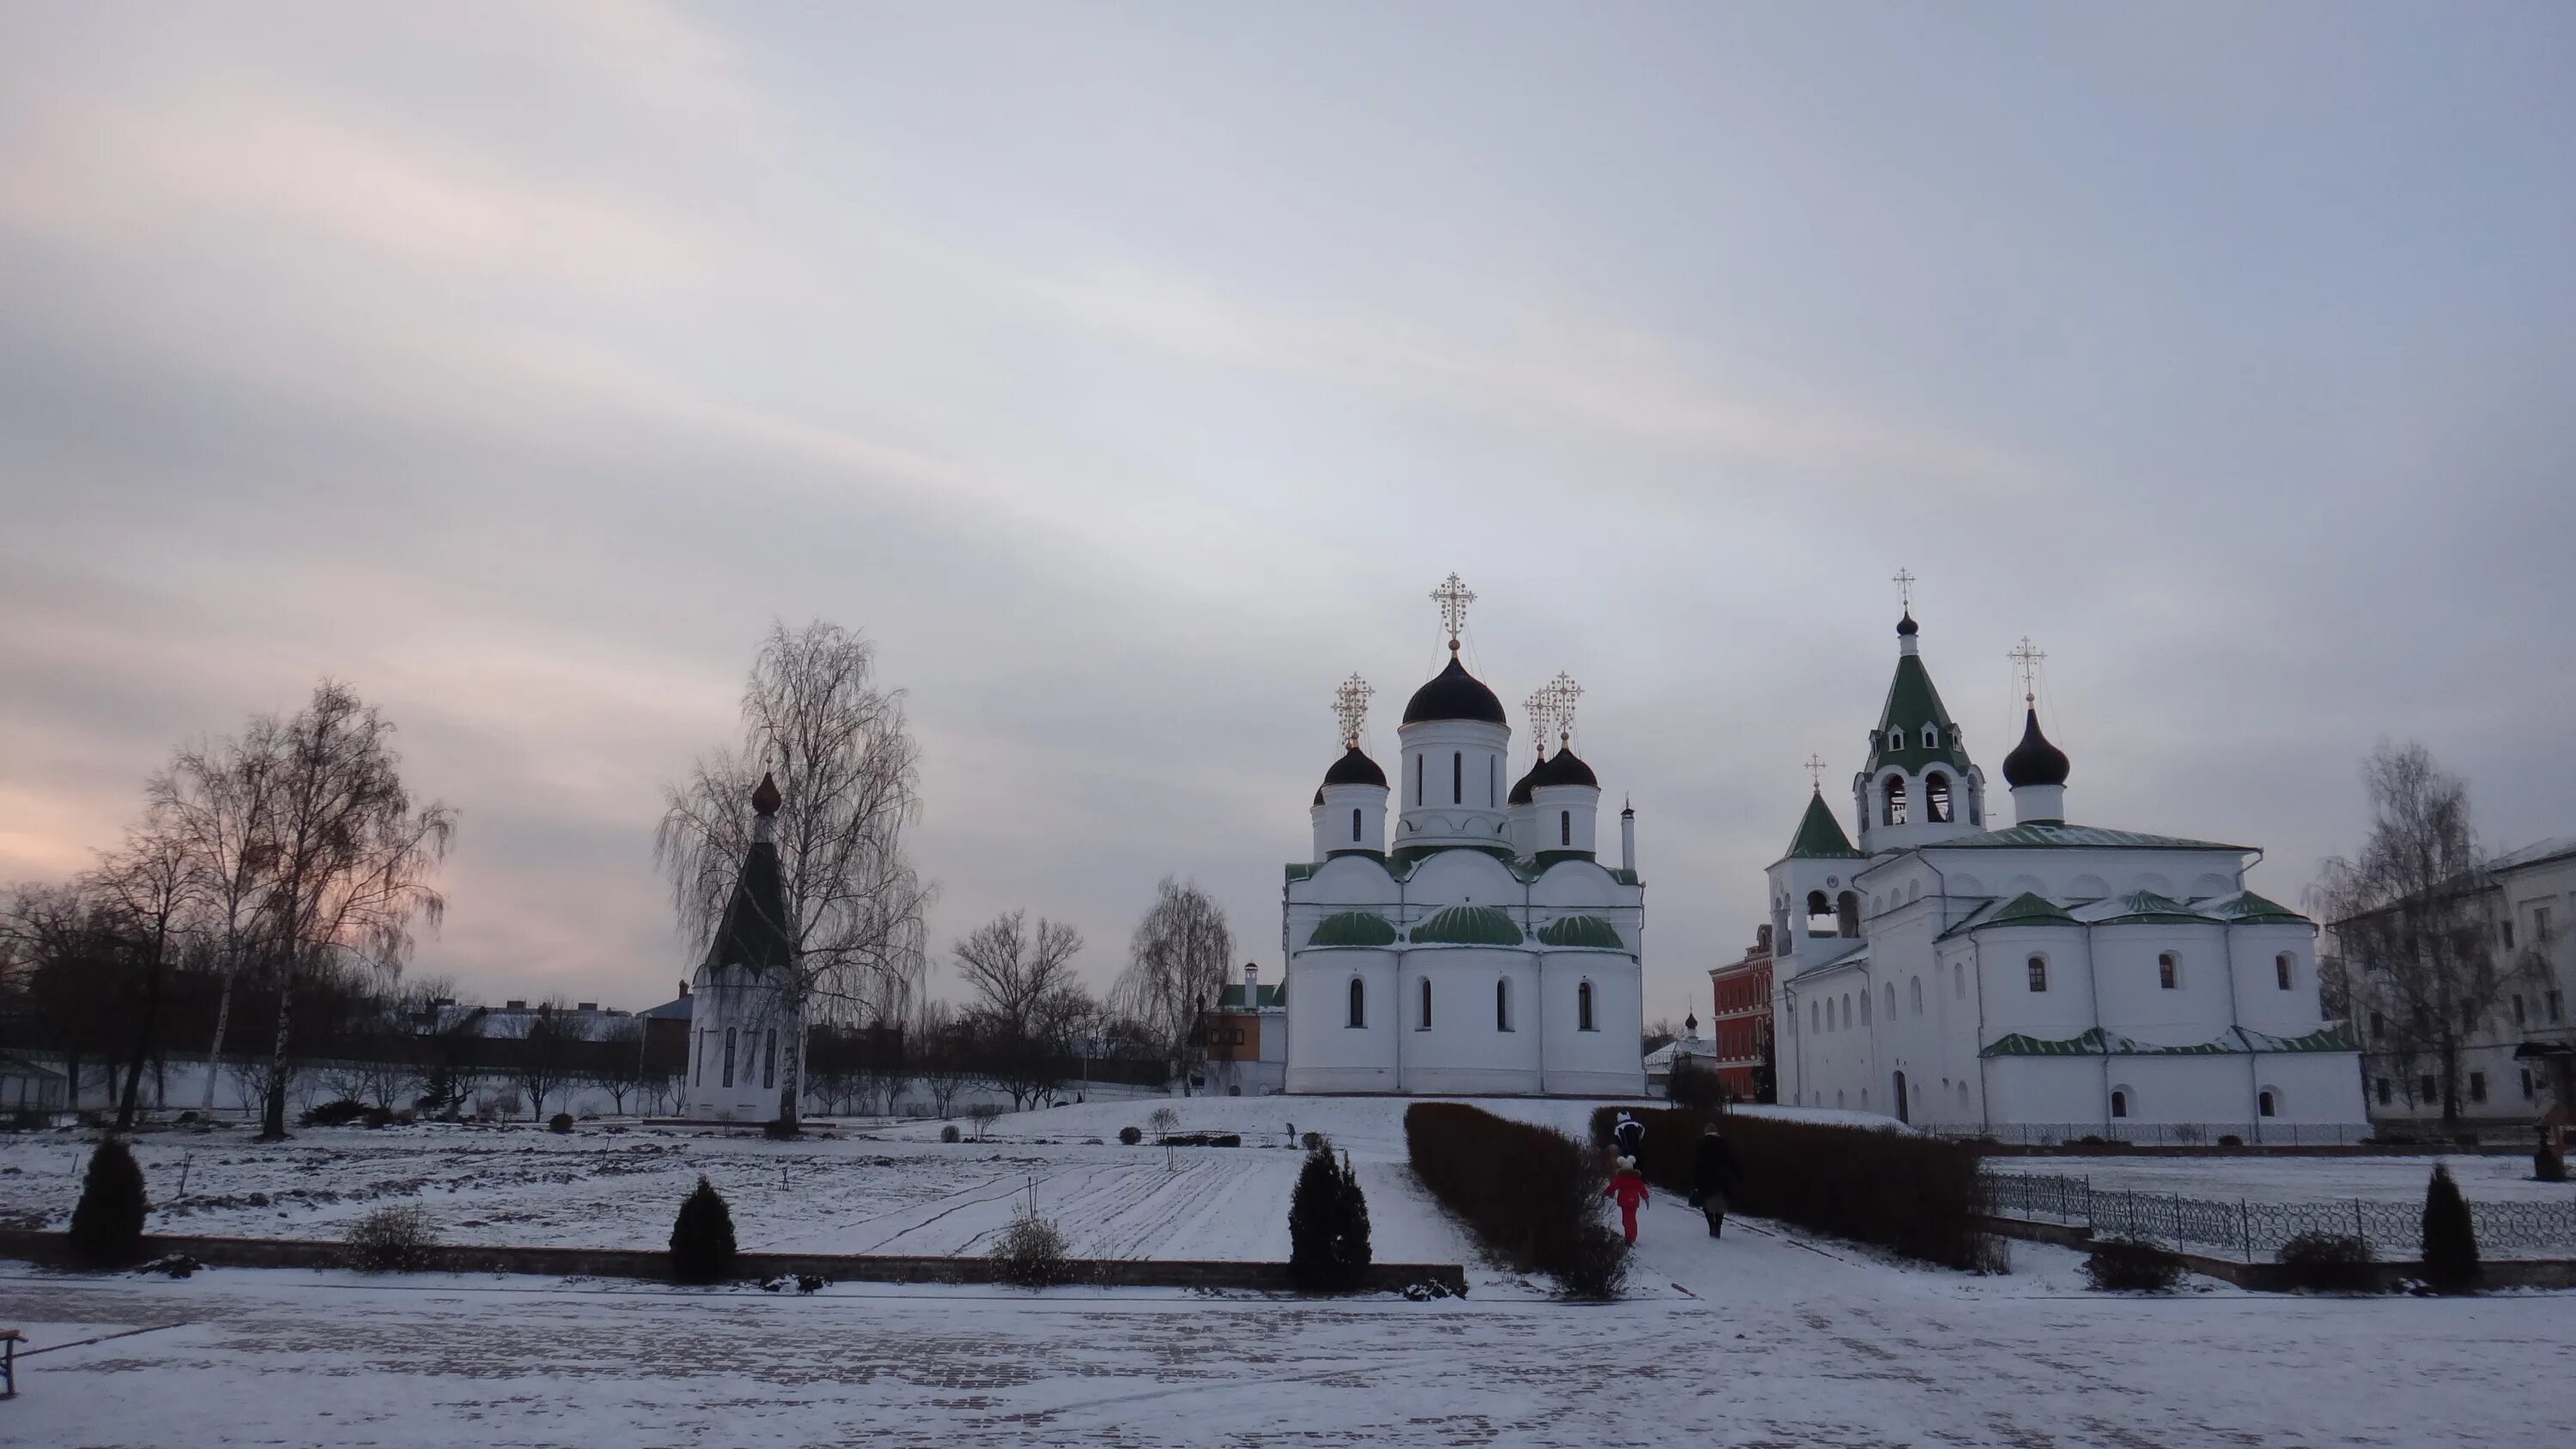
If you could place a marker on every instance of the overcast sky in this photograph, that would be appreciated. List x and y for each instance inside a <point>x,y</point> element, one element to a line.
<point>1131,375</point>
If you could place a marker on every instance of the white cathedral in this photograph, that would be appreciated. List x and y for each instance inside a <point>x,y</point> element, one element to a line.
<point>1950,971</point>
<point>1485,949</point>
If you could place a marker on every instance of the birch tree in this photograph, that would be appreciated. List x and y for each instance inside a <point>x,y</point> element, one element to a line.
<point>837,743</point>
<point>215,797</point>
<point>151,880</point>
<point>1177,963</point>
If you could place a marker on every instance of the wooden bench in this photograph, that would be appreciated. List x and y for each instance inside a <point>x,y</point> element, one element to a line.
<point>10,1338</point>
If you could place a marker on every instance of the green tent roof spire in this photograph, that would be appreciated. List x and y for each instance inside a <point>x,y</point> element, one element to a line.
<point>1820,836</point>
<point>1912,704</point>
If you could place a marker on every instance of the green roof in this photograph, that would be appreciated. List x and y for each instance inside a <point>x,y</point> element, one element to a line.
<point>1820,836</point>
<point>1912,703</point>
<point>2084,837</point>
<point>1468,926</point>
<point>1585,931</point>
<point>2249,909</point>
<point>2144,908</point>
<point>2027,909</point>
<point>2235,1041</point>
<point>1352,928</point>
<point>1269,997</point>
<point>753,933</point>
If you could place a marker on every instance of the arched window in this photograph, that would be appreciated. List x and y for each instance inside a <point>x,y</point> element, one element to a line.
<point>1503,1005</point>
<point>728,1057</point>
<point>1814,1022</point>
<point>1583,1006</point>
<point>1936,798</point>
<point>1959,980</point>
<point>1847,915</point>
<point>1457,777</point>
<point>1891,1001</point>
<point>1847,1016</point>
<point>2039,973</point>
<point>2168,971</point>
<point>2281,976</point>
<point>1892,810</point>
<point>1838,1097</point>
<point>1565,828</point>
<point>2266,1103</point>
<point>699,1079</point>
<point>1493,779</point>
<point>1355,824</point>
<point>1424,1024</point>
<point>1417,777</point>
<point>1914,995</point>
<point>1820,913</point>
<point>2119,1102</point>
<point>1359,1003</point>
<point>769,1059</point>
<point>1931,737</point>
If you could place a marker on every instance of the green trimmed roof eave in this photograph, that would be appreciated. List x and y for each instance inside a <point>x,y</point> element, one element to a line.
<point>1911,704</point>
<point>1581,932</point>
<point>1467,926</point>
<point>2061,836</point>
<point>1352,929</point>
<point>2235,1041</point>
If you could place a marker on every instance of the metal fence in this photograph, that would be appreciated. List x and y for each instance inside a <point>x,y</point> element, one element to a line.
<point>2254,1231</point>
<point>2169,1134</point>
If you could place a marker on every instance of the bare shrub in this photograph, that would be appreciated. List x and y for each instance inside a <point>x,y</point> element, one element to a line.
<point>2126,1265</point>
<point>2323,1262</point>
<point>392,1240</point>
<point>1031,1252</point>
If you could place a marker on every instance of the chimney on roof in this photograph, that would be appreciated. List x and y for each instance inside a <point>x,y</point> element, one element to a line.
<point>684,990</point>
<point>1251,986</point>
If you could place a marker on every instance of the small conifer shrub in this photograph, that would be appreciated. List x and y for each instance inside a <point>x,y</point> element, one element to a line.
<point>2450,1236</point>
<point>560,1123</point>
<point>1328,1225</point>
<point>950,1133</point>
<point>702,1239</point>
<point>1130,1136</point>
<point>107,1225</point>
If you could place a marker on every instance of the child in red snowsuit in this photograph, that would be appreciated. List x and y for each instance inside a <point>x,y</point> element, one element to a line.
<point>1629,1187</point>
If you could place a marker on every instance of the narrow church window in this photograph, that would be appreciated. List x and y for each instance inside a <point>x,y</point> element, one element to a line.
<point>1891,1001</point>
<point>1425,1023</point>
<point>700,1079</point>
<point>1359,1004</point>
<point>1417,779</point>
<point>1355,824</point>
<point>1893,812</point>
<point>1959,980</point>
<point>1936,797</point>
<point>1847,1016</point>
<point>1565,828</point>
<point>2168,971</point>
<point>2267,1104</point>
<point>2038,973</point>
<point>1847,915</point>
<point>728,1058</point>
<point>1493,779</point>
<point>1502,1006</point>
<point>1457,777</point>
<point>2281,974</point>
<point>2119,1104</point>
<point>769,1059</point>
<point>1914,994</point>
<point>1583,1006</point>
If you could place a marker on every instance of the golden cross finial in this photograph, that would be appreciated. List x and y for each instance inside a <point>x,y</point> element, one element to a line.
<point>2025,658</point>
<point>1350,706</point>
<point>1453,598</point>
<point>1542,713</point>
<point>1563,692</point>
<point>1904,582</point>
<point>1816,770</point>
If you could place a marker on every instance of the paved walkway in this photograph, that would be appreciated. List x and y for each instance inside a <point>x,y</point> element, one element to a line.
<point>1759,1340</point>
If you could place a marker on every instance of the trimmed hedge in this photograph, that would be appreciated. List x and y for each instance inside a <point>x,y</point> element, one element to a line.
<point>1532,1196</point>
<point>1914,1196</point>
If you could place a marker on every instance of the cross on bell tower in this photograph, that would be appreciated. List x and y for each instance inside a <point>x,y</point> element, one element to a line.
<point>1350,706</point>
<point>2026,657</point>
<point>1904,582</point>
<point>1563,692</point>
<point>1453,597</point>
<point>1816,771</point>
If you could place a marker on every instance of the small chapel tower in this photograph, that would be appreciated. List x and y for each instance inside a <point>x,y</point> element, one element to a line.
<point>1350,806</point>
<point>739,1007</point>
<point>1918,787</point>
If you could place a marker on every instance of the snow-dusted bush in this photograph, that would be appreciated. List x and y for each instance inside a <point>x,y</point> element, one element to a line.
<point>1031,1252</point>
<point>559,1123</point>
<point>950,1133</point>
<point>1130,1136</point>
<point>2450,1237</point>
<point>107,1224</point>
<point>1328,1226</point>
<point>984,1115</point>
<point>2126,1265</point>
<point>702,1238</point>
<point>1163,1120</point>
<point>2322,1262</point>
<point>391,1240</point>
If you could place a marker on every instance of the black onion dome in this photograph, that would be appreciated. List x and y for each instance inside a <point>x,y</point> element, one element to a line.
<point>1354,768</point>
<point>1453,693</point>
<point>1521,788</point>
<point>1906,628</point>
<point>1564,768</point>
<point>2035,761</point>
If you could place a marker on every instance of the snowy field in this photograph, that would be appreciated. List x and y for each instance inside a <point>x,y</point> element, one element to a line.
<point>2302,1179</point>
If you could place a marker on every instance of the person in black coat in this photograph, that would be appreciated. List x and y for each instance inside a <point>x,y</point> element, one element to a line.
<point>1713,1177</point>
<point>1630,1134</point>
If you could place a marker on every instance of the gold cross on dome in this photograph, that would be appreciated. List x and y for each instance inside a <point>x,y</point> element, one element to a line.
<point>1453,598</point>
<point>1542,713</point>
<point>1350,706</point>
<point>1563,692</point>
<point>1904,582</point>
<point>2025,658</point>
<point>1816,770</point>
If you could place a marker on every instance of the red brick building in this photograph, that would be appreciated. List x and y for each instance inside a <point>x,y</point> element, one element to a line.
<point>1740,1020</point>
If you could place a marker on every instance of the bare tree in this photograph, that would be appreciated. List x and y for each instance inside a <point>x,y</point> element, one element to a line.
<point>217,797</point>
<point>1028,1004</point>
<point>2414,915</point>
<point>153,882</point>
<point>848,773</point>
<point>1177,963</point>
<point>72,946</point>
<point>618,1067</point>
<point>349,858</point>
<point>541,1056</point>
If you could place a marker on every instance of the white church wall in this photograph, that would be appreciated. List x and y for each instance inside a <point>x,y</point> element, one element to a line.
<point>2262,1004</point>
<point>1343,806</point>
<point>1453,783</point>
<point>1327,1053</point>
<point>2063,1009</point>
<point>2316,1087</point>
<point>1459,1047</point>
<point>1604,1061</point>
<point>1460,878</point>
<point>1566,817</point>
<point>2128,974</point>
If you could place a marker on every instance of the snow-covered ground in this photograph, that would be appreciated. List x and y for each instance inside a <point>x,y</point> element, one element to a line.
<point>2302,1179</point>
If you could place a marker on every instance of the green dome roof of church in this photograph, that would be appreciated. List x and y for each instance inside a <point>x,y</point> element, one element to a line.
<point>1468,926</point>
<point>1912,703</point>
<point>1587,931</point>
<point>1820,836</point>
<point>1353,928</point>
